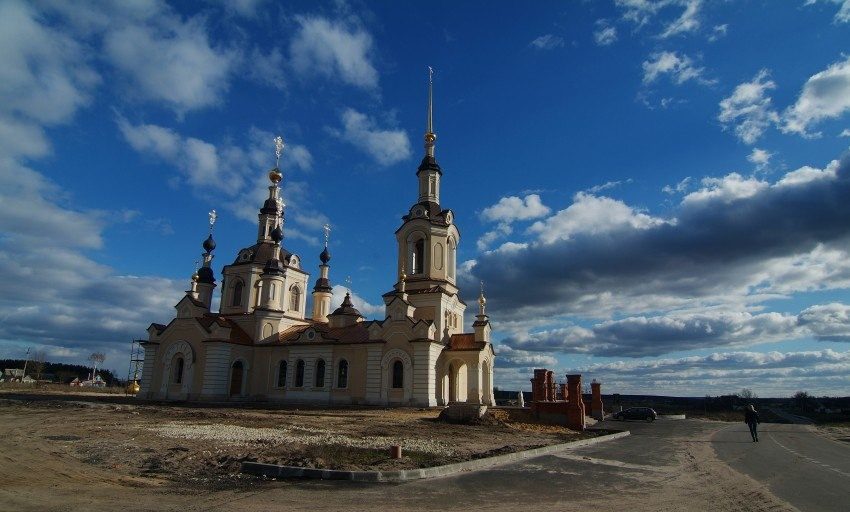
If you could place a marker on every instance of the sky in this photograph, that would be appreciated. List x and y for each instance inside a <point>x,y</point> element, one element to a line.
<point>655,193</point>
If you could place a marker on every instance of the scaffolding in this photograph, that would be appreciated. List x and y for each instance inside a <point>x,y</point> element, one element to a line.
<point>137,359</point>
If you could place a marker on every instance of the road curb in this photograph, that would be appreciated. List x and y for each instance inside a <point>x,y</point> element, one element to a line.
<point>278,471</point>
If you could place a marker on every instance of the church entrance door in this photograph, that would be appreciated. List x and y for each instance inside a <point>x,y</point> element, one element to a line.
<point>236,379</point>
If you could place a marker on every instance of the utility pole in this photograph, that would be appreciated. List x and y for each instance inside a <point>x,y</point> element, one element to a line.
<point>26,362</point>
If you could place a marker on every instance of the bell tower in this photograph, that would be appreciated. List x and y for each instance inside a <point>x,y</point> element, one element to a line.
<point>427,243</point>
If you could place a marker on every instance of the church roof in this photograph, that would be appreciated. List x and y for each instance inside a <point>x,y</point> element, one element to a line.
<point>432,212</point>
<point>260,252</point>
<point>465,341</point>
<point>357,333</point>
<point>237,335</point>
<point>346,308</point>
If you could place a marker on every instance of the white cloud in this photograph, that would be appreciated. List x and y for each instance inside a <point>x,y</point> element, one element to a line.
<point>267,68</point>
<point>607,185</point>
<point>680,68</point>
<point>605,34</point>
<point>547,42</point>
<point>188,73</point>
<point>729,243</point>
<point>678,188</point>
<point>640,11</point>
<point>45,79</point>
<point>772,374</point>
<point>759,157</point>
<point>749,108</point>
<point>687,22</point>
<point>825,95</point>
<point>731,187</point>
<point>387,147</point>
<point>590,214</point>
<point>808,174</point>
<point>233,175</point>
<point>829,322</point>
<point>845,133</point>
<point>244,8</point>
<point>502,229</point>
<point>513,208</point>
<point>843,14</point>
<point>718,32</point>
<point>332,49</point>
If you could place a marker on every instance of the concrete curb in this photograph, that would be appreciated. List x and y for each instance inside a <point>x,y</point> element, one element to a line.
<point>278,471</point>
<point>671,417</point>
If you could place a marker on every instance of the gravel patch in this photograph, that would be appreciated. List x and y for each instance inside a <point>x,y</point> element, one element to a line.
<point>237,435</point>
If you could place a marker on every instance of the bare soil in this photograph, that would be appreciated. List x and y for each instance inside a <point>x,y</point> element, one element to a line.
<point>186,446</point>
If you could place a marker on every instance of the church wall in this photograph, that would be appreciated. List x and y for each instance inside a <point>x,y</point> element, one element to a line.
<point>424,376</point>
<point>310,354</point>
<point>148,370</point>
<point>216,370</point>
<point>180,331</point>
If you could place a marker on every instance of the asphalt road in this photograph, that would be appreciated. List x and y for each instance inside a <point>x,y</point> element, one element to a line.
<point>799,466</point>
<point>667,465</point>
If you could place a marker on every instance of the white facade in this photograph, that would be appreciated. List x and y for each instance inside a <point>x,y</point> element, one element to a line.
<point>263,344</point>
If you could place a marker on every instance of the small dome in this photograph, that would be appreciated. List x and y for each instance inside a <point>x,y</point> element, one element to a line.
<point>346,308</point>
<point>209,244</point>
<point>269,207</point>
<point>277,235</point>
<point>205,275</point>
<point>325,256</point>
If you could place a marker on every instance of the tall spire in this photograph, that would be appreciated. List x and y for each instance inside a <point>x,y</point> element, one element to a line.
<point>430,136</point>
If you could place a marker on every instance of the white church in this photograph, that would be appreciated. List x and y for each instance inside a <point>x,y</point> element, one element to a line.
<point>263,345</point>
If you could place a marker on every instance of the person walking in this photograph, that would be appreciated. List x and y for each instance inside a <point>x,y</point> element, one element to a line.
<point>751,418</point>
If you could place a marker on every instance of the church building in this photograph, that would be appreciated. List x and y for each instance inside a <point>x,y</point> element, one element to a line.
<point>263,344</point>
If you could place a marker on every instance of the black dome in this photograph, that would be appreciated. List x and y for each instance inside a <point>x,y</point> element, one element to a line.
<point>205,275</point>
<point>209,244</point>
<point>325,256</point>
<point>269,206</point>
<point>277,235</point>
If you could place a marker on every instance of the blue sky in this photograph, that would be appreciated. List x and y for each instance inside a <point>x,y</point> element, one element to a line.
<point>652,190</point>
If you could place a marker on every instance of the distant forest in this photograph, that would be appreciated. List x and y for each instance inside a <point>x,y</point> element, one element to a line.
<point>58,372</point>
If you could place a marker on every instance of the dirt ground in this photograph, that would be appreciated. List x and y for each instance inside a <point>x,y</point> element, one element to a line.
<point>72,453</point>
<point>205,446</point>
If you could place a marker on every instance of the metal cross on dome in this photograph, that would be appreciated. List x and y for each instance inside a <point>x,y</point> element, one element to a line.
<point>213,216</point>
<point>278,149</point>
<point>327,229</point>
<point>348,283</point>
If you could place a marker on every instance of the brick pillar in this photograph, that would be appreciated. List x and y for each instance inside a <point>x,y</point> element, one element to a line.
<point>596,409</point>
<point>565,393</point>
<point>575,407</point>
<point>550,386</point>
<point>538,385</point>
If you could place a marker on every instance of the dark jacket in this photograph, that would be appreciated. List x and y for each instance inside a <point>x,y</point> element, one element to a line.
<point>751,417</point>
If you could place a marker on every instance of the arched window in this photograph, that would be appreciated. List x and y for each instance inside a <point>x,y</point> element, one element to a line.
<point>452,258</point>
<point>342,374</point>
<point>398,375</point>
<point>320,374</point>
<point>294,298</point>
<point>281,374</point>
<point>259,293</point>
<point>178,371</point>
<point>417,263</point>
<point>236,300</point>
<point>299,374</point>
<point>272,291</point>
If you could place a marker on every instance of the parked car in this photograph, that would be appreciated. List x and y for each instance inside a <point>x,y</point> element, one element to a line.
<point>636,413</point>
